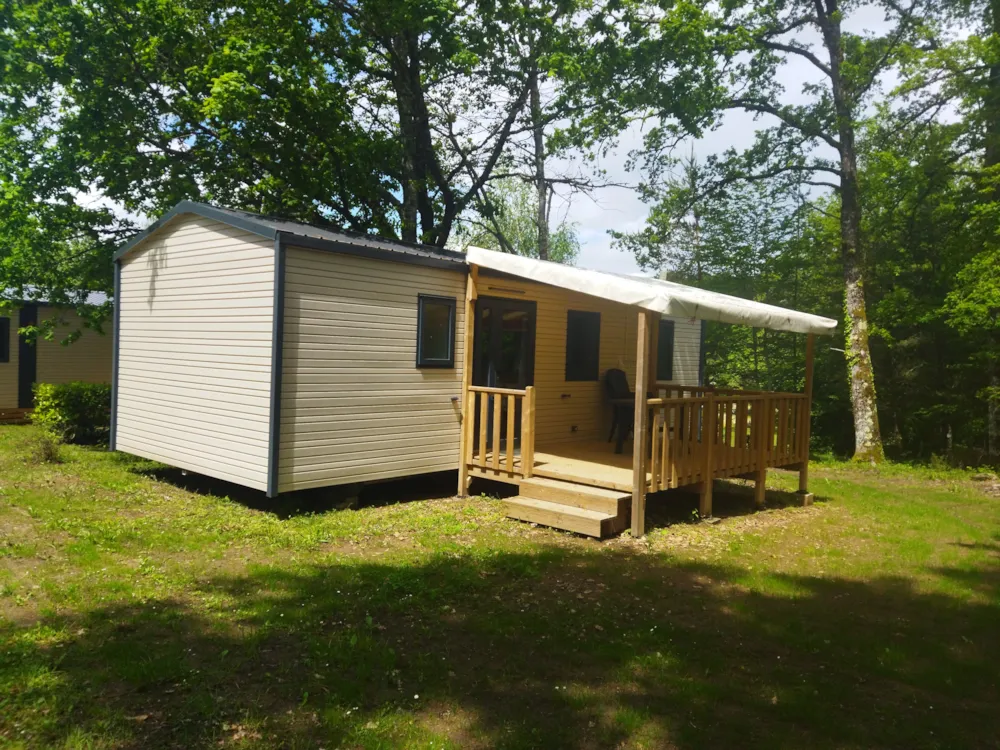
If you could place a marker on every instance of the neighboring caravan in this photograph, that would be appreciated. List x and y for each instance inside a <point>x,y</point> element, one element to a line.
<point>23,363</point>
<point>284,356</point>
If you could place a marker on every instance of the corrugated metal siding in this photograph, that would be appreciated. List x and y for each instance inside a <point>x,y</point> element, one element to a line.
<point>88,358</point>
<point>354,405</point>
<point>195,350</point>
<point>562,406</point>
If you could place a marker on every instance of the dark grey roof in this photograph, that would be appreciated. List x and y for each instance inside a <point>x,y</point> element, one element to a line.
<point>307,235</point>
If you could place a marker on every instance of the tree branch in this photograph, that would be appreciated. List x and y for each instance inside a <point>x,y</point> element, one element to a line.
<point>785,116</point>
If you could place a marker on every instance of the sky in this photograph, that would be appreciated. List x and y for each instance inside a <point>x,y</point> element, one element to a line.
<point>619,208</point>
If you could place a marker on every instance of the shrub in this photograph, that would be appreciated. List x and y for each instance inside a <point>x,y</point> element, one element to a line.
<point>44,449</point>
<point>74,412</point>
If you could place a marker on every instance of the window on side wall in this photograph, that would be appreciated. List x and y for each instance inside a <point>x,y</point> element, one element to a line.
<point>665,350</point>
<point>583,345</point>
<point>4,339</point>
<point>435,331</point>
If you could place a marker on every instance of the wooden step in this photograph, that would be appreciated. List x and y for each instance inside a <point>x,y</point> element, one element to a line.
<point>567,517</point>
<point>612,502</point>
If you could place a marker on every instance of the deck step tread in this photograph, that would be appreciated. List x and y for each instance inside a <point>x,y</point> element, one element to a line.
<point>611,502</point>
<point>531,502</point>
<point>582,489</point>
<point>557,515</point>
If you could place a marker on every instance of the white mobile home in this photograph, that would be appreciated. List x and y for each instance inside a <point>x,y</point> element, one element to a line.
<point>284,356</point>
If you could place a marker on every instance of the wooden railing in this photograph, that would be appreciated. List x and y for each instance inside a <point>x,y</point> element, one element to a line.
<point>715,434</point>
<point>499,426</point>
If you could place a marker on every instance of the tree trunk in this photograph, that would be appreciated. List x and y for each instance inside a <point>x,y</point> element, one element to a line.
<point>867,436</point>
<point>993,417</point>
<point>991,161</point>
<point>405,109</point>
<point>541,186</point>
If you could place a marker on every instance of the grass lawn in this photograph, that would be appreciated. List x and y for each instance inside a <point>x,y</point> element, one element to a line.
<point>139,610</point>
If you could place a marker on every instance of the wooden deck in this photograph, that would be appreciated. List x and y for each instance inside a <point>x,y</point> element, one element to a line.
<point>688,441</point>
<point>590,463</point>
<point>594,464</point>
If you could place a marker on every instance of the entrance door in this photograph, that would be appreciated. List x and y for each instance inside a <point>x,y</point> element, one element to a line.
<point>503,356</point>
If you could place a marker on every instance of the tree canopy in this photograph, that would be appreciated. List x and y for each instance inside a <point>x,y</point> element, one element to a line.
<point>870,189</point>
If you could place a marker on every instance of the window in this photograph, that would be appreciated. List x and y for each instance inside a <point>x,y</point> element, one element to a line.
<point>435,331</point>
<point>583,345</point>
<point>665,350</point>
<point>4,339</point>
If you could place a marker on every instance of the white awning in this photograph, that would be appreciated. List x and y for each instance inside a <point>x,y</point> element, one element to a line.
<point>663,297</point>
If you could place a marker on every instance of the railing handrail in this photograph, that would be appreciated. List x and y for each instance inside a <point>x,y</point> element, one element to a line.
<point>677,401</point>
<point>498,391</point>
<point>669,401</point>
<point>718,391</point>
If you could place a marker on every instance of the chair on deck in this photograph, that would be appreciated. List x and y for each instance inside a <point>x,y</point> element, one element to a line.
<point>622,406</point>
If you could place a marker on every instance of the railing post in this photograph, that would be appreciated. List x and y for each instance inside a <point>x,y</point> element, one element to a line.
<point>762,424</point>
<point>528,433</point>
<point>804,494</point>
<point>465,448</point>
<point>707,472</point>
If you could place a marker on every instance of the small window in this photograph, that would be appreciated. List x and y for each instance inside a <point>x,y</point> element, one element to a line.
<point>4,339</point>
<point>435,331</point>
<point>665,350</point>
<point>583,345</point>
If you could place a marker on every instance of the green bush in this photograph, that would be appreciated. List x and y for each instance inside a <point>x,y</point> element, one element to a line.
<point>74,412</point>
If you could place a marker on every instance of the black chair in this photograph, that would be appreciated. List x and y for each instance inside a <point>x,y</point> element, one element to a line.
<point>622,406</point>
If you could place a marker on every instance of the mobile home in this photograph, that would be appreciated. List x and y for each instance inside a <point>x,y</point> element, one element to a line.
<point>284,356</point>
<point>24,363</point>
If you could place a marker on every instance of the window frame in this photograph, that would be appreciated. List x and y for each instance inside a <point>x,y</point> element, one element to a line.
<point>670,325</point>
<point>452,303</point>
<point>4,339</point>
<point>584,315</point>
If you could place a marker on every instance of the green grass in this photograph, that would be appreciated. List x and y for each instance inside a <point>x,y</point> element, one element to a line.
<point>138,609</point>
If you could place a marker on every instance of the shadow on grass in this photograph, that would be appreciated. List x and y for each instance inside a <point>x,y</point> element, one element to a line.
<point>303,502</point>
<point>553,649</point>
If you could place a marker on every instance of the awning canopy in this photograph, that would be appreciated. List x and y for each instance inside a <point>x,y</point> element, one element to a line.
<point>656,295</point>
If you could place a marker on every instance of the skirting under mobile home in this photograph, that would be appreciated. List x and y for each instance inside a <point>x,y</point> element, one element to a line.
<point>284,356</point>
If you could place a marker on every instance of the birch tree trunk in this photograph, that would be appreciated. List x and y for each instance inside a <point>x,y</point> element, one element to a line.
<point>867,435</point>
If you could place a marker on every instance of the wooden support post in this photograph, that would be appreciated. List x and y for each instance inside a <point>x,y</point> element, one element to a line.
<point>707,469</point>
<point>639,425</point>
<point>468,416</point>
<point>528,433</point>
<point>804,494</point>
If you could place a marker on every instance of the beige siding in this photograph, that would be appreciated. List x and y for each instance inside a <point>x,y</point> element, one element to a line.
<point>195,350</point>
<point>354,405</point>
<point>87,359</point>
<point>568,411</point>
<point>8,370</point>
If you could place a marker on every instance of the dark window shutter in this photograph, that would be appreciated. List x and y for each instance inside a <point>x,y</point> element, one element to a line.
<point>4,339</point>
<point>665,350</point>
<point>583,345</point>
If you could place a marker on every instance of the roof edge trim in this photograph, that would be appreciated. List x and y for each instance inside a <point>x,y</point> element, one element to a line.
<point>198,209</point>
<point>375,253</point>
